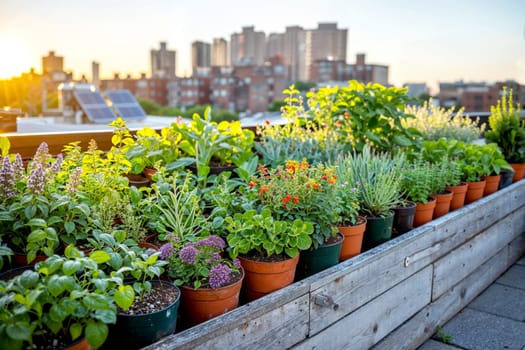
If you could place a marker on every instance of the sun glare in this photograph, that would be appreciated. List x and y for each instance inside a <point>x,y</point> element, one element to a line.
<point>15,57</point>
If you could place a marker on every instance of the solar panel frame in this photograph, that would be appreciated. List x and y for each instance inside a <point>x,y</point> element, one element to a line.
<point>94,106</point>
<point>126,105</point>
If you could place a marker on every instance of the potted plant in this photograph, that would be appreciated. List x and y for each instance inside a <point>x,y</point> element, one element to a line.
<point>496,163</point>
<point>208,144</point>
<point>301,191</point>
<point>508,132</point>
<point>417,182</point>
<point>209,281</point>
<point>62,300</point>
<point>379,176</point>
<point>351,224</point>
<point>269,249</point>
<point>32,205</point>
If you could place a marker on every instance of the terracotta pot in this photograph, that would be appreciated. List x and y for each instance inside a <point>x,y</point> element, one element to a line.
<point>424,212</point>
<point>81,344</point>
<point>475,191</point>
<point>137,180</point>
<point>203,304</point>
<point>442,204</point>
<point>353,239</point>
<point>492,184</point>
<point>262,277</point>
<point>519,170</point>
<point>458,196</point>
<point>149,172</point>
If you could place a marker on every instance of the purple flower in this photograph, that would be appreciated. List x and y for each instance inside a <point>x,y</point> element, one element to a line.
<point>41,154</point>
<point>35,182</point>
<point>212,241</point>
<point>55,168</point>
<point>18,167</point>
<point>237,263</point>
<point>166,251</point>
<point>188,254</point>
<point>7,184</point>
<point>219,275</point>
<point>74,180</point>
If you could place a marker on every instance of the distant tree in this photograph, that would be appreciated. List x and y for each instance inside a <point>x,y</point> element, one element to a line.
<point>304,85</point>
<point>170,111</point>
<point>150,107</point>
<point>276,106</point>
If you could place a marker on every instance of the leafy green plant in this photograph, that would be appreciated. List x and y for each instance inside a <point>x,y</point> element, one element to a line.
<point>347,190</point>
<point>250,232</point>
<point>364,115</point>
<point>417,182</point>
<point>71,295</point>
<point>206,143</point>
<point>506,129</point>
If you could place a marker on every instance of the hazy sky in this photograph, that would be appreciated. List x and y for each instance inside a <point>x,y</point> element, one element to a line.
<point>421,41</point>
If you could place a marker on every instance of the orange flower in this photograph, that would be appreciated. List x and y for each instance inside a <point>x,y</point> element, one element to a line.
<point>332,180</point>
<point>263,189</point>
<point>252,184</point>
<point>295,199</point>
<point>347,115</point>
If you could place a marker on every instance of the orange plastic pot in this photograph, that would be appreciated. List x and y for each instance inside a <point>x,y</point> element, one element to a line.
<point>203,304</point>
<point>353,239</point>
<point>424,212</point>
<point>474,191</point>
<point>519,171</point>
<point>443,201</point>
<point>458,196</point>
<point>262,277</point>
<point>492,184</point>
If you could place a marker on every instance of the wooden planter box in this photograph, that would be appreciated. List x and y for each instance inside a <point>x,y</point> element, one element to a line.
<point>391,297</point>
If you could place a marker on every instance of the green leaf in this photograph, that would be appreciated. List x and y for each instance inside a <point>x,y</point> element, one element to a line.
<point>30,211</point>
<point>96,333</point>
<point>99,256</point>
<point>69,226</point>
<point>304,242</point>
<point>37,222</point>
<point>106,316</point>
<point>96,301</point>
<point>124,296</point>
<point>75,330</point>
<point>180,163</point>
<point>19,331</point>
<point>71,266</point>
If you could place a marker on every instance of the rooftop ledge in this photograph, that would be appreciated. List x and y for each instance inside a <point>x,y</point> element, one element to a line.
<point>390,297</point>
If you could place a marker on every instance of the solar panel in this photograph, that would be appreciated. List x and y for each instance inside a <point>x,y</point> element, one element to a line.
<point>94,106</point>
<point>126,105</point>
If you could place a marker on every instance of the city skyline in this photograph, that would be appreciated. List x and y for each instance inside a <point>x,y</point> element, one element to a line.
<point>470,40</point>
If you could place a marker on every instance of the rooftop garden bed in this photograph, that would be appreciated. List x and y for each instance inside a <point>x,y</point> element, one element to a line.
<point>223,198</point>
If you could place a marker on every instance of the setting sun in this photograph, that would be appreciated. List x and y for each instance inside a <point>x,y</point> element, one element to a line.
<point>15,57</point>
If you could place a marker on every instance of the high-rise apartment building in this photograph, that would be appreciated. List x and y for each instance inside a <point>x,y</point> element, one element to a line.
<point>219,53</point>
<point>200,55</point>
<point>275,45</point>
<point>52,63</point>
<point>294,47</point>
<point>248,47</point>
<point>325,42</point>
<point>163,62</point>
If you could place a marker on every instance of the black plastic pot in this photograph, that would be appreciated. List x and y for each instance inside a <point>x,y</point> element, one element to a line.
<point>506,178</point>
<point>312,261</point>
<point>403,218</point>
<point>137,331</point>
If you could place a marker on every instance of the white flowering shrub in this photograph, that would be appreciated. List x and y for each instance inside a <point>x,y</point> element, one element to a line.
<point>437,122</point>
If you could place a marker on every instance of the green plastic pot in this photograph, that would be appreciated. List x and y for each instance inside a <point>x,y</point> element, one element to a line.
<point>313,261</point>
<point>378,230</point>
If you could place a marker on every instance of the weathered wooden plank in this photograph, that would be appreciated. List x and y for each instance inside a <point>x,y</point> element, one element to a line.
<point>455,266</point>
<point>278,320</point>
<point>350,284</point>
<point>516,249</point>
<point>370,323</point>
<point>422,326</point>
